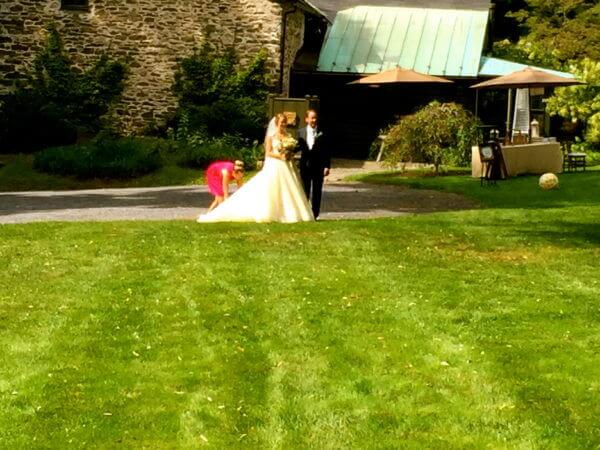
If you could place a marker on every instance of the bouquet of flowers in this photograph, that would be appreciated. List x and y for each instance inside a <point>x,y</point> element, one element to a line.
<point>288,145</point>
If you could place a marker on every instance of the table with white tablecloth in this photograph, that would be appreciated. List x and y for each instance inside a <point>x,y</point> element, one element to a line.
<point>535,159</point>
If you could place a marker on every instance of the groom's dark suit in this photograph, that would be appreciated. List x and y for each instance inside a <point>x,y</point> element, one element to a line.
<point>313,162</point>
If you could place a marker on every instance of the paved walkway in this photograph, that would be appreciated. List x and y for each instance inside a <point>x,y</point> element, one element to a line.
<point>341,200</point>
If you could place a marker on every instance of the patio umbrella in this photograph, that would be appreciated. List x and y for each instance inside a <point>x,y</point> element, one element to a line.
<point>398,75</point>
<point>525,78</point>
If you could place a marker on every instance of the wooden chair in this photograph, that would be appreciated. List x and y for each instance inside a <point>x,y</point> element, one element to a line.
<point>572,160</point>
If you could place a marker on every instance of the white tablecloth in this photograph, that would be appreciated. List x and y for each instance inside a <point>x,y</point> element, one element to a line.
<point>536,159</point>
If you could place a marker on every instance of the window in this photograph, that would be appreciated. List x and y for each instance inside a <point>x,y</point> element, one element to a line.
<point>81,5</point>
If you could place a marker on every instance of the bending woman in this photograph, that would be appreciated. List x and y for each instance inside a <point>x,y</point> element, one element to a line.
<point>218,176</point>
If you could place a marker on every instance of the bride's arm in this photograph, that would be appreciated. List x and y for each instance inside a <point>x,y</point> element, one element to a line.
<point>269,150</point>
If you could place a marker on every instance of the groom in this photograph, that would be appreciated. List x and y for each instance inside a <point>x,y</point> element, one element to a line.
<point>315,160</point>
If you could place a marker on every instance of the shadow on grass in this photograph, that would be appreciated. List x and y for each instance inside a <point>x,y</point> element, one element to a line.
<point>573,227</point>
<point>559,233</point>
<point>567,234</point>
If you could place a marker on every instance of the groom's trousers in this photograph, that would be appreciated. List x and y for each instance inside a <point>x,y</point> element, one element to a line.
<point>313,184</point>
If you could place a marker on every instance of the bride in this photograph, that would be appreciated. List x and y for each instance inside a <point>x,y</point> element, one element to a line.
<point>274,194</point>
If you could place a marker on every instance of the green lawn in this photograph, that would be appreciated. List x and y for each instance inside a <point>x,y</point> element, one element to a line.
<point>575,188</point>
<point>465,329</point>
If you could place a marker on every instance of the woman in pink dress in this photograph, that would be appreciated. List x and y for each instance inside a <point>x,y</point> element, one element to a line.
<point>218,176</point>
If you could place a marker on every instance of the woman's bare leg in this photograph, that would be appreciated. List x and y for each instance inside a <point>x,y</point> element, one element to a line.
<point>216,202</point>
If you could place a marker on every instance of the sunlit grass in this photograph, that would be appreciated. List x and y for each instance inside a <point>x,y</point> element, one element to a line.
<point>467,329</point>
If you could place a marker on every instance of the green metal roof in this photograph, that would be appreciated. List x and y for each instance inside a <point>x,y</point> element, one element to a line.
<point>367,39</point>
<point>494,67</point>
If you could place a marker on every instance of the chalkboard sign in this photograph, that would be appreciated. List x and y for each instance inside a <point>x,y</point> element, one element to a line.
<point>486,153</point>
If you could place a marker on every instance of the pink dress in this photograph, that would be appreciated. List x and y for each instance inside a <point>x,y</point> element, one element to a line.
<point>214,176</point>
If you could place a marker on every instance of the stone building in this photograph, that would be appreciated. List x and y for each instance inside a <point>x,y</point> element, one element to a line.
<point>151,36</point>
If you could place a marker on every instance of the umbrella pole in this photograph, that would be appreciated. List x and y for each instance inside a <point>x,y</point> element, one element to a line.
<point>508,137</point>
<point>530,115</point>
<point>476,103</point>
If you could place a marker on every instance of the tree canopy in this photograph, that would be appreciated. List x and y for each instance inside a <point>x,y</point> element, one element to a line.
<point>553,32</point>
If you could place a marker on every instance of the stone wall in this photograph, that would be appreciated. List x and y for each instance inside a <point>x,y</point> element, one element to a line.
<point>150,35</point>
<point>294,38</point>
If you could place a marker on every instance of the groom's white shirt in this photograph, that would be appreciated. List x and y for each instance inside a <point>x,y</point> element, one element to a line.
<point>310,136</point>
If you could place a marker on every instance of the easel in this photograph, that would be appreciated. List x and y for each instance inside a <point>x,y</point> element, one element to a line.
<point>493,167</point>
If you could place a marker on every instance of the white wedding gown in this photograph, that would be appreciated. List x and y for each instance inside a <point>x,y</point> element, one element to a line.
<point>274,194</point>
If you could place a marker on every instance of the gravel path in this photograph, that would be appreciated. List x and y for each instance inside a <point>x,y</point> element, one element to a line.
<point>340,201</point>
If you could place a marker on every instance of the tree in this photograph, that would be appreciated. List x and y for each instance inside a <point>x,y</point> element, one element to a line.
<point>504,25</point>
<point>581,103</point>
<point>559,31</point>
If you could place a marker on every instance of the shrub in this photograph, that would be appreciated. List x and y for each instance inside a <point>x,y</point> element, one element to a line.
<point>233,116</point>
<point>438,134</point>
<point>104,157</point>
<point>375,146</point>
<point>217,98</point>
<point>57,99</point>
<point>252,155</point>
<point>199,151</point>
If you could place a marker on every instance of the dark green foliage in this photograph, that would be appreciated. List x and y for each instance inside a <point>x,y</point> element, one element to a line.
<point>438,134</point>
<point>217,98</point>
<point>104,157</point>
<point>553,32</point>
<point>561,30</point>
<point>58,100</point>
<point>503,25</point>
<point>199,78</point>
<point>200,151</point>
<point>240,116</point>
<point>28,123</point>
